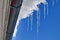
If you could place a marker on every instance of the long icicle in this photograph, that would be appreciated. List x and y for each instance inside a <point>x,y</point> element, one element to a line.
<point>31,19</point>
<point>38,19</point>
<point>53,2</point>
<point>47,9</point>
<point>27,24</point>
<point>37,25</point>
<point>44,11</point>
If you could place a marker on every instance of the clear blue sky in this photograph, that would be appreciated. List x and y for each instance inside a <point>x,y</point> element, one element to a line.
<point>49,28</point>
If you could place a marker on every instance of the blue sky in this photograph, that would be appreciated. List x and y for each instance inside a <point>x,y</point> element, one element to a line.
<point>49,28</point>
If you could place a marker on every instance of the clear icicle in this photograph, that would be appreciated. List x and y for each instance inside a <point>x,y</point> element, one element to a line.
<point>53,2</point>
<point>56,1</point>
<point>38,19</point>
<point>44,11</point>
<point>37,25</point>
<point>31,21</point>
<point>38,22</point>
<point>47,9</point>
<point>28,24</point>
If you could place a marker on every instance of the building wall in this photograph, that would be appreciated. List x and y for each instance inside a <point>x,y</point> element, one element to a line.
<point>4,15</point>
<point>7,24</point>
<point>1,19</point>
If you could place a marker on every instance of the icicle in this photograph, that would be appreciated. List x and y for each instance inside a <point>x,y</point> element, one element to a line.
<point>28,24</point>
<point>38,22</point>
<point>31,21</point>
<point>39,18</point>
<point>53,2</point>
<point>47,9</point>
<point>44,11</point>
<point>56,1</point>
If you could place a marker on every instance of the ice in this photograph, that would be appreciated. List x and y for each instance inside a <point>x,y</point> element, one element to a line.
<point>31,21</point>
<point>38,22</point>
<point>47,9</point>
<point>28,24</point>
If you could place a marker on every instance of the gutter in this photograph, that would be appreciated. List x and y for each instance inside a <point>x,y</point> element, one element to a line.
<point>14,12</point>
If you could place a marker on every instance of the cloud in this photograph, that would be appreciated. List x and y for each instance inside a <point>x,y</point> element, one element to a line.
<point>27,8</point>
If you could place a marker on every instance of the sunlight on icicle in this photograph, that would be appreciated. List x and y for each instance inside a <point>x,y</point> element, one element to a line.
<point>38,22</point>
<point>31,21</point>
<point>45,9</point>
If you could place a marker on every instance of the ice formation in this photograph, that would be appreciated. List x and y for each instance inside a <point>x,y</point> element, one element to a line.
<point>27,8</point>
